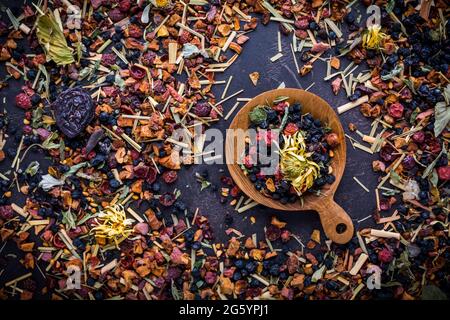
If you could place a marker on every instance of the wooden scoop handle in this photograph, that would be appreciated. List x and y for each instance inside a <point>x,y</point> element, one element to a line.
<point>335,221</point>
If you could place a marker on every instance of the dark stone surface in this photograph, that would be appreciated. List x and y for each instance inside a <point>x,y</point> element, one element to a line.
<point>255,57</point>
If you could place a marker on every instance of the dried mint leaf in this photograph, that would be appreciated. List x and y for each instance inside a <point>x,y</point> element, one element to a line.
<point>258,114</point>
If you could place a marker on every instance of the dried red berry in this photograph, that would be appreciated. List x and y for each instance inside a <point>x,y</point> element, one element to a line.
<point>385,255</point>
<point>396,110</point>
<point>384,204</point>
<point>280,107</point>
<point>418,137</point>
<point>285,235</point>
<point>23,101</point>
<point>124,5</point>
<point>235,191</point>
<point>443,173</point>
<point>170,176</point>
<point>408,162</point>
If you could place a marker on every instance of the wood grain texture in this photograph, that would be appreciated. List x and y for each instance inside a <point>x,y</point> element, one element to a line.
<point>331,214</point>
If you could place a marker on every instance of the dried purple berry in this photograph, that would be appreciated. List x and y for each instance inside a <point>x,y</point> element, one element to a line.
<point>408,162</point>
<point>202,109</point>
<point>74,109</point>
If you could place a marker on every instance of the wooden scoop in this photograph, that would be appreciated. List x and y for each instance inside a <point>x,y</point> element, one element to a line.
<point>335,221</point>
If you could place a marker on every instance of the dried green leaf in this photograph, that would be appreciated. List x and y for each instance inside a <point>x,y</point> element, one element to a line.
<point>280,99</point>
<point>49,143</point>
<point>53,41</point>
<point>395,177</point>
<point>176,294</point>
<point>205,184</point>
<point>441,117</point>
<point>431,166</point>
<point>69,219</point>
<point>258,114</point>
<point>32,168</point>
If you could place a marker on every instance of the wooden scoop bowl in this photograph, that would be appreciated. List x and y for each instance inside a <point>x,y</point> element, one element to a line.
<point>336,223</point>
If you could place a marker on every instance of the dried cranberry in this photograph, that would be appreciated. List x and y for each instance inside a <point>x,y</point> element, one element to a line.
<point>396,110</point>
<point>185,37</point>
<point>385,255</point>
<point>170,176</point>
<point>135,31</point>
<point>443,173</point>
<point>23,101</point>
<point>210,277</point>
<point>280,107</point>
<point>167,199</point>
<point>29,284</point>
<point>57,242</point>
<point>418,137</point>
<point>301,34</point>
<point>27,129</point>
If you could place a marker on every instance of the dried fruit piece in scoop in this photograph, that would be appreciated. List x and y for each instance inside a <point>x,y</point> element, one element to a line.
<point>74,109</point>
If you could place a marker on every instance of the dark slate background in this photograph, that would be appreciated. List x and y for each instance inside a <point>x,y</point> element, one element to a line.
<point>255,57</point>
